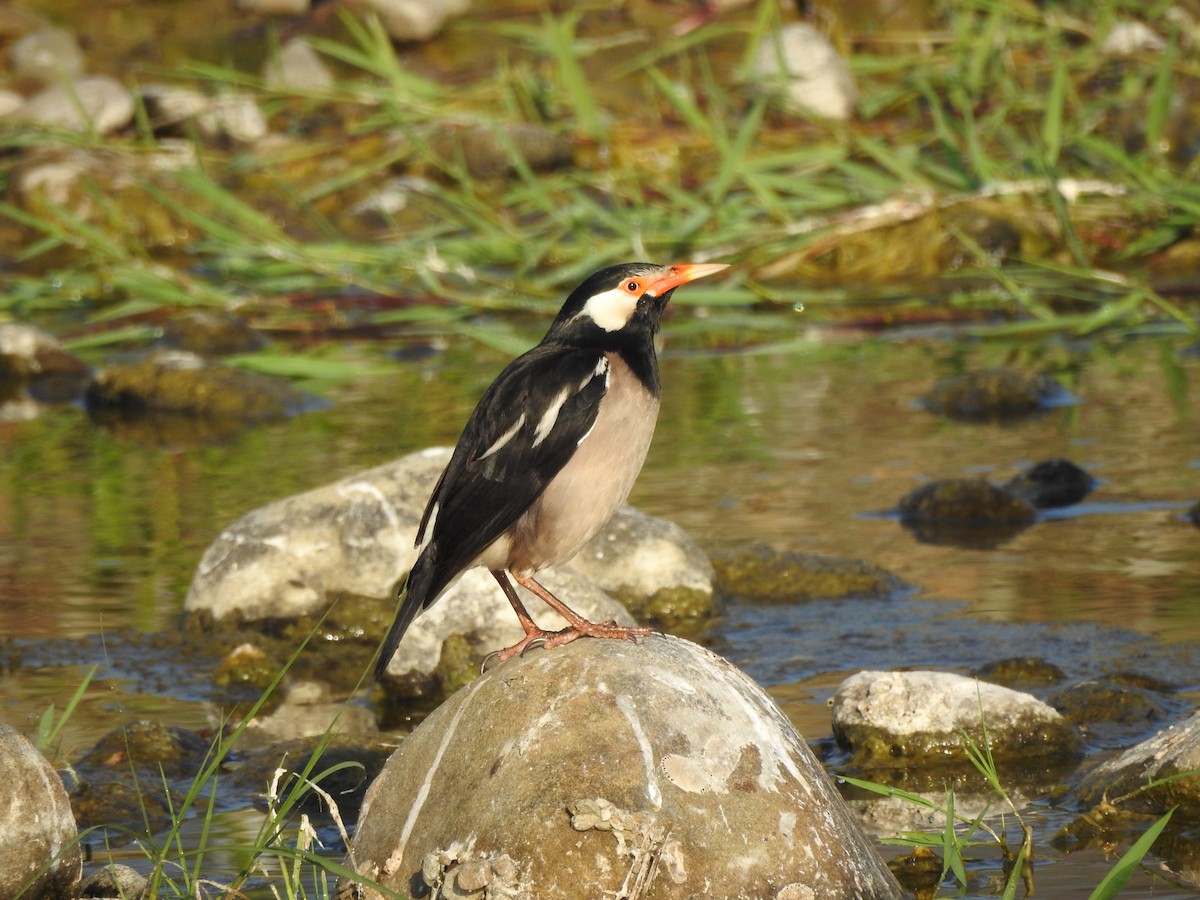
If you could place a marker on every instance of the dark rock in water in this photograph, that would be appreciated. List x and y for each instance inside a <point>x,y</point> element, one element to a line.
<point>920,718</point>
<point>760,574</point>
<point>1098,701</point>
<point>211,333</point>
<point>1193,514</point>
<point>37,830</point>
<point>569,773</point>
<point>992,395</point>
<point>177,382</point>
<point>120,780</point>
<point>965,512</point>
<point>355,765</point>
<point>1023,671</point>
<point>1052,483</point>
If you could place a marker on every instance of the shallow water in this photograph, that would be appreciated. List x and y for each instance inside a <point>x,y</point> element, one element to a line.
<point>801,448</point>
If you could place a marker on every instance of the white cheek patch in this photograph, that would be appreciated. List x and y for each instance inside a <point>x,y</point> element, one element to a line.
<point>612,309</point>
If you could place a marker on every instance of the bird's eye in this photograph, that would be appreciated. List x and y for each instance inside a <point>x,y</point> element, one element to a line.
<point>634,287</point>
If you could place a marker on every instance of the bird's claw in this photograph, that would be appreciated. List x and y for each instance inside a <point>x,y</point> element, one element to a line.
<point>539,641</point>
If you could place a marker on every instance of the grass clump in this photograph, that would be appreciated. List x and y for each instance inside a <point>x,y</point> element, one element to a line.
<point>1013,112</point>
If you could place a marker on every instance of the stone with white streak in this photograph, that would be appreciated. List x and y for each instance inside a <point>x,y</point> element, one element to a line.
<point>38,839</point>
<point>609,768</point>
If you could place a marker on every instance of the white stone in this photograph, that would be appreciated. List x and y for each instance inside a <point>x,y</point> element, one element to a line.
<point>801,66</point>
<point>98,103</point>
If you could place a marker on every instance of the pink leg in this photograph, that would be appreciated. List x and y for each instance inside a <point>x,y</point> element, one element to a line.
<point>577,626</point>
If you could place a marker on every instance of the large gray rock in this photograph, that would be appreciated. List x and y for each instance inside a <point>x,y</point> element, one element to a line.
<point>355,537</point>
<point>608,768</point>
<point>651,565</point>
<point>37,828</point>
<point>1161,758</point>
<point>920,718</point>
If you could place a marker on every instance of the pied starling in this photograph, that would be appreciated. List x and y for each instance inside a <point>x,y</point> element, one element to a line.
<point>550,453</point>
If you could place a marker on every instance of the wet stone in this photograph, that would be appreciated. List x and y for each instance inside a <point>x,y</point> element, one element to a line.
<point>990,395</point>
<point>760,574</point>
<point>646,757</point>
<point>964,512</point>
<point>37,828</point>
<point>1193,514</point>
<point>1052,483</point>
<point>920,718</point>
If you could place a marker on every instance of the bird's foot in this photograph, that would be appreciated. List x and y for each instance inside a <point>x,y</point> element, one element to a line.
<point>548,639</point>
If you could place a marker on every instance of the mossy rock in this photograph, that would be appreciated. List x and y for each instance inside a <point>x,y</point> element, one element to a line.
<point>759,574</point>
<point>1020,671</point>
<point>965,512</point>
<point>994,395</point>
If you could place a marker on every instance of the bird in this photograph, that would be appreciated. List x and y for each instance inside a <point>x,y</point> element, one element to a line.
<point>549,454</point>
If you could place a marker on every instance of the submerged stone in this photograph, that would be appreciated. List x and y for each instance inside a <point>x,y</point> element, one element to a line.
<point>1017,671</point>
<point>757,573</point>
<point>965,512</point>
<point>1052,483</point>
<point>924,718</point>
<point>570,773</point>
<point>989,395</point>
<point>493,151</point>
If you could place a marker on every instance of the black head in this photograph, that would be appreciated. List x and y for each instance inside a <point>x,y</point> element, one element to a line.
<point>622,305</point>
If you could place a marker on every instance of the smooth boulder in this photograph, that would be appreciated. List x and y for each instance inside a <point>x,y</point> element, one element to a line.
<point>37,830</point>
<point>612,768</point>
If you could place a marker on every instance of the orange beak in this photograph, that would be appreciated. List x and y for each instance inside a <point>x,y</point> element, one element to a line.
<point>682,274</point>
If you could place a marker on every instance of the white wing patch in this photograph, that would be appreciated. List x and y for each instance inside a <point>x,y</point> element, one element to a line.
<point>601,369</point>
<point>427,531</point>
<point>549,418</point>
<point>611,309</point>
<point>546,424</point>
<point>503,439</point>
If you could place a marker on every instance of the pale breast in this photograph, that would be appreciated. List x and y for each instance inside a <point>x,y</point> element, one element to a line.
<point>595,482</point>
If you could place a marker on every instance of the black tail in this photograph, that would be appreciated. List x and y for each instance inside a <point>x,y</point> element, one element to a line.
<point>414,596</point>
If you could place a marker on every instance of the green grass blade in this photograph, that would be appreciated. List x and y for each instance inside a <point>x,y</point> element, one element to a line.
<point>1119,875</point>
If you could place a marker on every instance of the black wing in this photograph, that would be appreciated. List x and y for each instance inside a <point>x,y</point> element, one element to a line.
<point>524,429</point>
